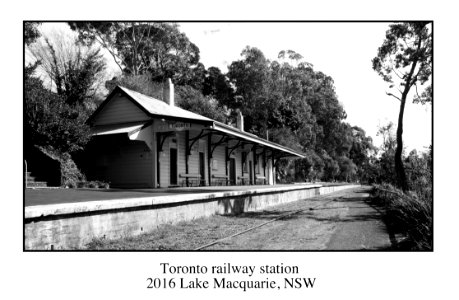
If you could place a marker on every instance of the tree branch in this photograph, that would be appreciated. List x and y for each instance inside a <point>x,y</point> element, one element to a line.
<point>394,70</point>
<point>102,42</point>
<point>390,94</point>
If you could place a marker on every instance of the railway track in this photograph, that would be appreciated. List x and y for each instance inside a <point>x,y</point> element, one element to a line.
<point>309,205</point>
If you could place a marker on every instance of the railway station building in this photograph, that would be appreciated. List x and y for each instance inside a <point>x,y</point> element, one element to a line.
<point>142,142</point>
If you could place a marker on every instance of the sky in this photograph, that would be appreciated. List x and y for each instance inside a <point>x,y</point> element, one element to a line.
<point>340,50</point>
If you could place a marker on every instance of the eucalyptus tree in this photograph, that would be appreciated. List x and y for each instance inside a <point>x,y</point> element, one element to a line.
<point>157,48</point>
<point>404,60</point>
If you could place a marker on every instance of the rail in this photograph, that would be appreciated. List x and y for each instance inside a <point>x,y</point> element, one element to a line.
<point>263,224</point>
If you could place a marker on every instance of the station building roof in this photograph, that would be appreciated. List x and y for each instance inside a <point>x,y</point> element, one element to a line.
<point>155,108</point>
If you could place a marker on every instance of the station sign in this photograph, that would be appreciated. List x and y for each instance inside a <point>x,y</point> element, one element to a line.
<point>173,126</point>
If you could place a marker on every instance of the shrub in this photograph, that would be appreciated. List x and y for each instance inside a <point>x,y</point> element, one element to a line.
<point>92,185</point>
<point>102,185</point>
<point>409,213</point>
<point>81,184</point>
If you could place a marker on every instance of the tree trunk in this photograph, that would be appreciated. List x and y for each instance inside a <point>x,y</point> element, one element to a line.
<point>399,168</point>
<point>134,58</point>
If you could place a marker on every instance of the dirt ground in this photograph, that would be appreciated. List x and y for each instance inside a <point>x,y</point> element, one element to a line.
<point>342,220</point>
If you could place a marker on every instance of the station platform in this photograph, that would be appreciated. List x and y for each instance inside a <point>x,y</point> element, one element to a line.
<point>69,219</point>
<point>44,196</point>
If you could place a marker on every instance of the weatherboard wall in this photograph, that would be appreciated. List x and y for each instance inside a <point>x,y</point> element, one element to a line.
<point>129,165</point>
<point>119,110</point>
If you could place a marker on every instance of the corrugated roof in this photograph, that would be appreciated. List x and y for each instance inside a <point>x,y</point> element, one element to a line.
<point>158,107</point>
<point>253,138</point>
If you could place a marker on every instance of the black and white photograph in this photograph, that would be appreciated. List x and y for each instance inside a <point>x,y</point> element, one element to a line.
<point>150,136</point>
<point>217,150</point>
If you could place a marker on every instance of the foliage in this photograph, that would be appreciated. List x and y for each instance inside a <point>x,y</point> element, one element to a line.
<point>74,70</point>
<point>360,153</point>
<point>31,32</point>
<point>217,86</point>
<point>190,99</point>
<point>186,96</point>
<point>159,49</point>
<point>404,60</point>
<point>285,99</point>
<point>331,167</point>
<point>49,121</point>
<point>285,136</point>
<point>419,169</point>
<point>425,97</point>
<point>139,83</point>
<point>314,164</point>
<point>70,174</point>
<point>94,184</point>
<point>410,214</point>
<point>250,78</point>
<point>387,133</point>
<point>299,108</point>
<point>348,169</point>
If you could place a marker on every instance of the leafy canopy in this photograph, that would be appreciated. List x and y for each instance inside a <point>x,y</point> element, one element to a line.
<point>404,59</point>
<point>75,71</point>
<point>159,49</point>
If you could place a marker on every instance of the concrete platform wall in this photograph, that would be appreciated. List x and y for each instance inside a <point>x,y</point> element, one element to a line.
<point>72,226</point>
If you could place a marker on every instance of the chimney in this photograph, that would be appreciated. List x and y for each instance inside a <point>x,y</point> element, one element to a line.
<point>168,92</point>
<point>240,121</point>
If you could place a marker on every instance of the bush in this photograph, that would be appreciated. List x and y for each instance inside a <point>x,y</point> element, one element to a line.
<point>409,213</point>
<point>102,185</point>
<point>50,122</point>
<point>92,185</point>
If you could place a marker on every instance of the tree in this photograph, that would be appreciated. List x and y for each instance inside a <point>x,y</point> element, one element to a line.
<point>419,173</point>
<point>387,132</point>
<point>386,162</point>
<point>272,95</point>
<point>186,96</point>
<point>49,121</point>
<point>74,70</point>
<point>31,32</point>
<point>360,152</point>
<point>139,83</point>
<point>159,49</point>
<point>405,61</point>
<point>347,167</point>
<point>331,168</point>
<point>193,100</point>
<point>218,86</point>
<point>250,77</point>
<point>299,108</point>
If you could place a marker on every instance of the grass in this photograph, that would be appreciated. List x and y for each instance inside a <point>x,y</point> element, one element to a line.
<point>187,235</point>
<point>190,235</point>
<point>408,214</point>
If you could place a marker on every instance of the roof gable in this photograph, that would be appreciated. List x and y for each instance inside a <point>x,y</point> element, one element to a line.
<point>116,109</point>
<point>158,107</point>
<point>150,106</point>
<point>140,107</point>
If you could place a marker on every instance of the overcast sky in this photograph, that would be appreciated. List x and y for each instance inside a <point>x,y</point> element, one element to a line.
<point>340,50</point>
